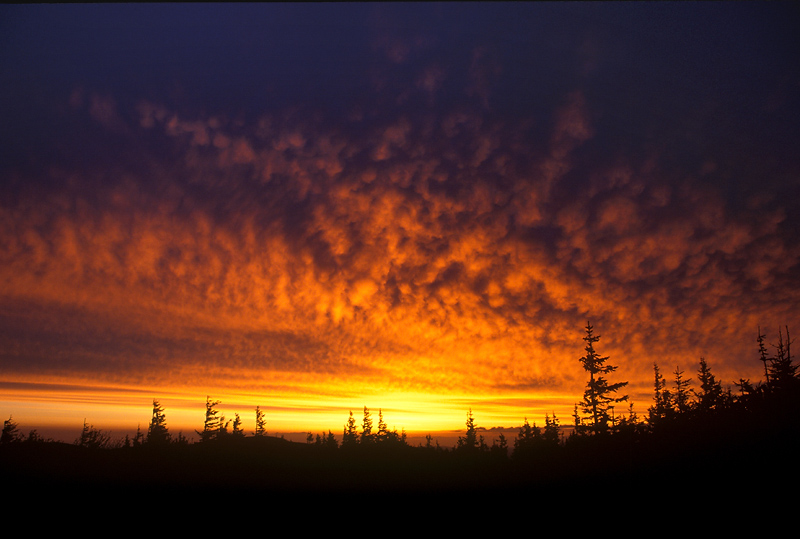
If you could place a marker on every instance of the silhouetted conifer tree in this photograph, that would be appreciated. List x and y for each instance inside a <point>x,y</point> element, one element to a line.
<point>428,441</point>
<point>10,431</point>
<point>527,437</point>
<point>598,395</point>
<point>711,396</point>
<point>628,424</point>
<point>350,434</point>
<point>33,437</point>
<point>782,371</point>
<point>680,398</point>
<point>261,424</point>
<point>762,352</point>
<point>529,440</point>
<point>139,438</point>
<point>552,431</point>
<point>330,441</point>
<point>383,430</point>
<point>92,438</point>
<point>157,433</point>
<point>500,446</point>
<point>213,425</point>
<point>181,439</point>
<point>470,439</point>
<point>579,428</point>
<point>238,432</point>
<point>662,400</point>
<point>366,427</point>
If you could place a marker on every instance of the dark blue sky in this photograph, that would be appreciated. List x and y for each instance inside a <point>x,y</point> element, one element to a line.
<point>703,79</point>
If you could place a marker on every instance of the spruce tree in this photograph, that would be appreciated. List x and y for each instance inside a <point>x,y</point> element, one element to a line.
<point>350,434</point>
<point>552,431</point>
<point>10,431</point>
<point>500,446</point>
<point>662,399</point>
<point>762,352</point>
<point>238,432</point>
<point>598,396</point>
<point>157,433</point>
<point>528,441</point>
<point>783,372</point>
<point>366,427</point>
<point>330,441</point>
<point>92,438</point>
<point>213,425</point>
<point>383,429</point>
<point>261,424</point>
<point>710,397</point>
<point>470,439</point>
<point>680,398</point>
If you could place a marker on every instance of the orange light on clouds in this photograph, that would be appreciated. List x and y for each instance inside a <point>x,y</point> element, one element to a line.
<point>418,254</point>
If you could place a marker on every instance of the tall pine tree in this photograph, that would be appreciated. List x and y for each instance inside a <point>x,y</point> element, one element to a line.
<point>261,424</point>
<point>214,424</point>
<point>599,394</point>
<point>157,433</point>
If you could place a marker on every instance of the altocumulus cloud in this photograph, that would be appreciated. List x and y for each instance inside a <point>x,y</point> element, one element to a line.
<point>432,235</point>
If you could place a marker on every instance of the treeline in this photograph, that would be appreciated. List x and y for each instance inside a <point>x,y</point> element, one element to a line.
<point>689,424</point>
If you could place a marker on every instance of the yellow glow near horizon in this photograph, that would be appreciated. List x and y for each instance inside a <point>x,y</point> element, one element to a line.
<point>124,411</point>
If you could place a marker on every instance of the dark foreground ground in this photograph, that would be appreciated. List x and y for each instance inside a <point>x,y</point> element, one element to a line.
<point>632,474</point>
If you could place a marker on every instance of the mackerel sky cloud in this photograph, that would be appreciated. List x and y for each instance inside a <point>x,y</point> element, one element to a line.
<point>317,207</point>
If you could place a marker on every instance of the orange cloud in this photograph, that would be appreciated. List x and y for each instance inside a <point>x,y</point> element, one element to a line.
<point>291,259</point>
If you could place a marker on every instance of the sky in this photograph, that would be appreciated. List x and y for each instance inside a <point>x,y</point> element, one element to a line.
<point>312,208</point>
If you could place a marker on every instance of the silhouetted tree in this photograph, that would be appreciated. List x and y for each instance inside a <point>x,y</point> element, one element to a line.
<point>238,432</point>
<point>579,428</point>
<point>222,432</point>
<point>598,395</point>
<point>139,438</point>
<point>261,424</point>
<point>680,397</point>
<point>500,446</point>
<point>711,396</point>
<point>470,439</point>
<point>157,433</point>
<point>782,371</point>
<point>628,424</point>
<point>92,438</point>
<point>213,425</point>
<point>366,427</point>
<point>528,440</point>
<point>330,441</point>
<point>662,399</point>
<point>428,441</point>
<point>350,434</point>
<point>383,430</point>
<point>33,437</point>
<point>762,353</point>
<point>181,439</point>
<point>528,434</point>
<point>746,389</point>
<point>10,431</point>
<point>552,431</point>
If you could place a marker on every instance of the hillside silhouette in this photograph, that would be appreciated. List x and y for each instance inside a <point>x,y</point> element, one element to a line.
<point>695,433</point>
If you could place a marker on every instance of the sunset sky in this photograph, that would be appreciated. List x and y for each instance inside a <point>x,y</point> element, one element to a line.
<point>415,207</point>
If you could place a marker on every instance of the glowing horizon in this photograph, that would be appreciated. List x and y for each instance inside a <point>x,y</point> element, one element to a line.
<point>391,207</point>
